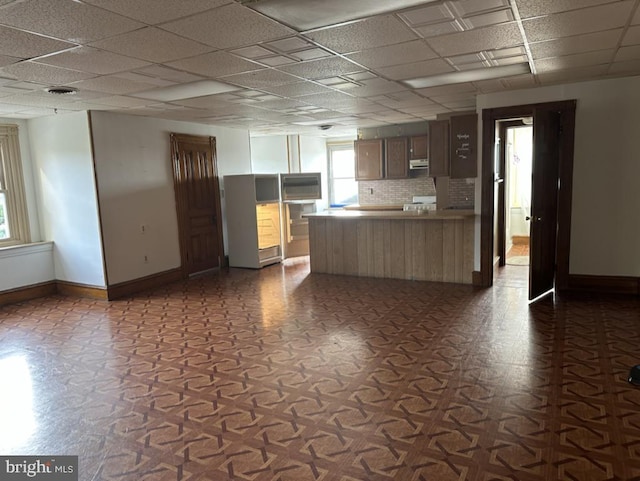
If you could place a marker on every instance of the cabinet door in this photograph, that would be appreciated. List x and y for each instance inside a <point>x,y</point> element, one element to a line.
<point>418,146</point>
<point>464,146</point>
<point>369,159</point>
<point>439,148</point>
<point>396,161</point>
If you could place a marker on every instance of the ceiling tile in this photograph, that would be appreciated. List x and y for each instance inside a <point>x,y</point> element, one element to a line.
<point>572,75</point>
<point>261,78</point>
<point>36,100</point>
<point>403,100</point>
<point>416,69</point>
<point>577,44</point>
<point>37,72</point>
<point>67,20</point>
<point>167,73</point>
<point>157,11</point>
<point>472,7</point>
<point>468,58</point>
<point>92,60</point>
<point>595,19</point>
<point>630,67</point>
<point>414,51</point>
<point>487,86</point>
<point>597,57</point>
<point>520,81</point>
<point>371,33</point>
<point>17,43</point>
<point>297,89</point>
<point>376,86</point>
<point>505,52</point>
<point>112,84</point>
<point>152,44</point>
<point>252,52</point>
<point>437,29</point>
<point>215,64</point>
<point>487,38</point>
<point>427,15</point>
<point>491,18</point>
<point>534,8</point>
<point>447,89</point>
<point>277,61</point>
<point>323,68</point>
<point>228,27</point>
<point>290,44</point>
<point>122,101</point>
<point>138,77</point>
<point>632,37</point>
<point>6,60</point>
<point>310,54</point>
<point>628,53</point>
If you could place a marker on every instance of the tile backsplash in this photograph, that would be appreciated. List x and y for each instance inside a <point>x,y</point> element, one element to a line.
<point>460,192</point>
<point>394,191</point>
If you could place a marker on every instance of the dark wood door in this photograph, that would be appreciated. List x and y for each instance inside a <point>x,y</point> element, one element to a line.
<point>198,202</point>
<point>544,200</point>
<point>369,159</point>
<point>396,161</point>
<point>438,148</point>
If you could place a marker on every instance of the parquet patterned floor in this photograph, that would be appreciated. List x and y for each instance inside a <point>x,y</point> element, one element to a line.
<point>279,375</point>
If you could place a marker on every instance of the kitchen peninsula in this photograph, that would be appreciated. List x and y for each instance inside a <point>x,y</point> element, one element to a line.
<point>436,246</point>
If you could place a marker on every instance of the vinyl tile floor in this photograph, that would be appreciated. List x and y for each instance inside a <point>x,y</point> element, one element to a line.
<point>282,375</point>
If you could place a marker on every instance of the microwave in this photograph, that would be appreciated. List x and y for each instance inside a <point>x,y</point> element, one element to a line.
<point>302,186</point>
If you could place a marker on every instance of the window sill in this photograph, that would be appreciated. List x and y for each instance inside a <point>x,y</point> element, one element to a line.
<point>25,249</point>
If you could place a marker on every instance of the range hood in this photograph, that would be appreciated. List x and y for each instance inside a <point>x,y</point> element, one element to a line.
<point>419,164</point>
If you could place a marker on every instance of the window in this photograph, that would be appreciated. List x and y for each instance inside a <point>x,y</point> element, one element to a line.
<point>14,225</point>
<point>343,188</point>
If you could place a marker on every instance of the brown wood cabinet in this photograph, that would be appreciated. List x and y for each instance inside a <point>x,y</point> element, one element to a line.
<point>418,147</point>
<point>438,148</point>
<point>464,146</point>
<point>396,160</point>
<point>369,159</point>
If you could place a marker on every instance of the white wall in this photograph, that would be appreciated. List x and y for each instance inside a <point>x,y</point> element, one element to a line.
<point>313,158</point>
<point>61,154</point>
<point>605,225</point>
<point>269,154</point>
<point>135,184</point>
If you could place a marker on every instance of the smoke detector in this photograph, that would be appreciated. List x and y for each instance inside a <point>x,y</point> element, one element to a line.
<point>61,90</point>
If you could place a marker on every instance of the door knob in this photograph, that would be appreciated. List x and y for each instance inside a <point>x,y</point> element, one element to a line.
<point>533,219</point>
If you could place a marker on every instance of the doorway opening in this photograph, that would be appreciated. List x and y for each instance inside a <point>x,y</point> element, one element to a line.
<point>550,181</point>
<point>518,164</point>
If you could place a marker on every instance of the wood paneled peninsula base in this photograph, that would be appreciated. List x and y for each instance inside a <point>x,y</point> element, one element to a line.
<point>399,245</point>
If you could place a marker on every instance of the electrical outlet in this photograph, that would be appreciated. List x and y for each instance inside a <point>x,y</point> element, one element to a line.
<point>146,259</point>
<point>143,228</point>
<point>371,190</point>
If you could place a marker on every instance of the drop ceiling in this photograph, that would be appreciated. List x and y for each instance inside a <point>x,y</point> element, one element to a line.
<point>289,66</point>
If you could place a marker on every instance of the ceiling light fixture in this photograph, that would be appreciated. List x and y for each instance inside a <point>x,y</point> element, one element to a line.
<point>469,76</point>
<point>190,90</point>
<point>312,14</point>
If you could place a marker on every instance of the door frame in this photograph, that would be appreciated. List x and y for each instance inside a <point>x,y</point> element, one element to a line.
<point>565,176</point>
<point>179,192</point>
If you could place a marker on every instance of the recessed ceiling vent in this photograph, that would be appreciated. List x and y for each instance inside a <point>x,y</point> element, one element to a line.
<point>61,90</point>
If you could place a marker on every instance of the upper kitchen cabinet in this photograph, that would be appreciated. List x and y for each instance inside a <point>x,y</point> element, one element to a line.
<point>396,161</point>
<point>439,148</point>
<point>369,159</point>
<point>418,147</point>
<point>463,146</point>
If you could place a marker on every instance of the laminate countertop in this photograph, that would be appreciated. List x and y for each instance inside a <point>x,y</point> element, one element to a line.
<point>393,215</point>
